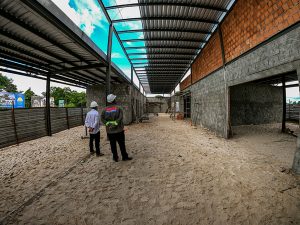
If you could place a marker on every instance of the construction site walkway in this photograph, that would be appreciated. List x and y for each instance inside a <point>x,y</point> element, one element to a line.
<point>179,175</point>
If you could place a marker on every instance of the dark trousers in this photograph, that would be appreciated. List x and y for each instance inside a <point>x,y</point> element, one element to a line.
<point>120,138</point>
<point>95,137</point>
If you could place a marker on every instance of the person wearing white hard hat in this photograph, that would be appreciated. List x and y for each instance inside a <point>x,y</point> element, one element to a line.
<point>92,122</point>
<point>112,118</point>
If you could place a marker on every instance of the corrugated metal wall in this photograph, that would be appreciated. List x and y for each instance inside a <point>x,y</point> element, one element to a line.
<point>21,125</point>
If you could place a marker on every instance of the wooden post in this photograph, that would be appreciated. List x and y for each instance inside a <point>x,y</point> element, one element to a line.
<point>67,116</point>
<point>14,123</point>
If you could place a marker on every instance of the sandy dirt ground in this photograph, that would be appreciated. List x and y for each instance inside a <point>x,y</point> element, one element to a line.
<point>179,175</point>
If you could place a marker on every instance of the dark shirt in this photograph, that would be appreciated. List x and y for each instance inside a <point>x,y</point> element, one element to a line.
<point>112,118</point>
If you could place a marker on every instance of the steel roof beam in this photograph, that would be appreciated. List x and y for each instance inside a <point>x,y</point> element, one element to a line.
<point>41,78</point>
<point>18,66</point>
<point>163,47</point>
<point>42,50</point>
<point>198,20</point>
<point>163,63</point>
<point>190,5</point>
<point>24,61</point>
<point>77,68</point>
<point>166,39</point>
<point>159,66</point>
<point>38,33</point>
<point>184,30</point>
<point>170,58</point>
<point>161,53</point>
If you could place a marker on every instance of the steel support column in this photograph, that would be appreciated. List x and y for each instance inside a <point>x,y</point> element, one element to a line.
<point>283,127</point>
<point>47,112</point>
<point>296,162</point>
<point>108,69</point>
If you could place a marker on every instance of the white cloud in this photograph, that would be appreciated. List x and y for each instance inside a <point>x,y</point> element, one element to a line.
<point>116,55</point>
<point>87,16</point>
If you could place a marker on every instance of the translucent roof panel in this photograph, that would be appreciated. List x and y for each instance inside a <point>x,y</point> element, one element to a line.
<point>89,17</point>
<point>118,56</point>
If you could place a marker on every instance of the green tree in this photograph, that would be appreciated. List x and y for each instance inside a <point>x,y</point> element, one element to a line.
<point>71,98</point>
<point>7,84</point>
<point>28,94</point>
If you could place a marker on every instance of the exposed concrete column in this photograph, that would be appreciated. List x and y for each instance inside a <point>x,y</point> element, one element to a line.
<point>296,163</point>
<point>227,127</point>
<point>108,69</point>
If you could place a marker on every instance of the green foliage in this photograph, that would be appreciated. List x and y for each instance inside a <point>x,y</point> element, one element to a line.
<point>28,94</point>
<point>72,98</point>
<point>7,84</point>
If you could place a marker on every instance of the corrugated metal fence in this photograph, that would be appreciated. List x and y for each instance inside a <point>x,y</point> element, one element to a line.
<point>21,125</point>
<point>292,112</point>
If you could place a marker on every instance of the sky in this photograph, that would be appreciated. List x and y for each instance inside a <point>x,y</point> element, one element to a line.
<point>88,16</point>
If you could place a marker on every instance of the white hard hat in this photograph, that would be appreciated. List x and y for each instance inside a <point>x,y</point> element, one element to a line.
<point>93,104</point>
<point>111,98</point>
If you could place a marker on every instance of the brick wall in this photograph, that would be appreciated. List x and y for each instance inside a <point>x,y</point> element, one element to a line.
<point>248,24</point>
<point>253,21</point>
<point>185,83</point>
<point>209,59</point>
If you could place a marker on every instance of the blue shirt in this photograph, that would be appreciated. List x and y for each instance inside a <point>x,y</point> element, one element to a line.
<point>93,120</point>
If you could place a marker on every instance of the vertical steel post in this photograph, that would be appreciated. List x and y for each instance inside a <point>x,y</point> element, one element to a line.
<point>14,122</point>
<point>81,114</point>
<point>131,95</point>
<point>108,69</point>
<point>67,115</point>
<point>296,161</point>
<point>283,127</point>
<point>48,117</point>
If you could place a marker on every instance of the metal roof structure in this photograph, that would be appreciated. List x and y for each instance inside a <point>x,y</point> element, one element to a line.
<point>38,39</point>
<point>174,33</point>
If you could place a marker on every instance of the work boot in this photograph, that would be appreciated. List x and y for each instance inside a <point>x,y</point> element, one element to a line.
<point>99,154</point>
<point>127,159</point>
<point>116,160</point>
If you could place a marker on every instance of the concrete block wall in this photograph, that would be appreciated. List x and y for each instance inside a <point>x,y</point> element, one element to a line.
<point>96,93</point>
<point>122,91</point>
<point>249,24</point>
<point>255,104</point>
<point>279,56</point>
<point>208,105</point>
<point>158,105</point>
<point>127,98</point>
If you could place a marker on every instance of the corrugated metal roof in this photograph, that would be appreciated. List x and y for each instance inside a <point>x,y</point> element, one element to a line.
<point>36,40</point>
<point>174,32</point>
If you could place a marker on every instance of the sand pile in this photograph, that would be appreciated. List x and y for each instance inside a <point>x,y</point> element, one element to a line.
<point>179,175</point>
